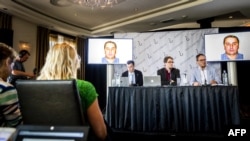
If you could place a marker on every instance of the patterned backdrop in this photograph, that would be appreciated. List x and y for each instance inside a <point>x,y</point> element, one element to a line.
<point>150,48</point>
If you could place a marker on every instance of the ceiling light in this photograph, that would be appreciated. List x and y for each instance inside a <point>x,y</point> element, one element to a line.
<point>152,24</point>
<point>96,3</point>
<point>167,20</point>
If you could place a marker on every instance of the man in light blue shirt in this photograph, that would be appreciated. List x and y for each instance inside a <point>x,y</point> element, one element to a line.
<point>203,74</point>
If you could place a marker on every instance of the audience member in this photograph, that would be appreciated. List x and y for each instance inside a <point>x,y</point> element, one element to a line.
<point>135,76</point>
<point>231,47</point>
<point>203,74</point>
<point>10,115</point>
<point>62,62</point>
<point>110,49</point>
<point>169,73</point>
<point>18,70</point>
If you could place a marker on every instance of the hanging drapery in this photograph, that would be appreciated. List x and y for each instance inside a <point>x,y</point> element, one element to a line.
<point>5,21</point>
<point>42,46</point>
<point>81,51</point>
<point>6,32</point>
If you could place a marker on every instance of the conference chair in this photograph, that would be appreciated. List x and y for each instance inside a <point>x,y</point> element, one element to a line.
<point>53,103</point>
<point>50,102</point>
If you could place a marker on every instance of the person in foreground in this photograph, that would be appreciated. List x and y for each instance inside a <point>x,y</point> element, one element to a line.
<point>135,76</point>
<point>110,49</point>
<point>10,115</point>
<point>231,47</point>
<point>18,70</point>
<point>169,73</point>
<point>62,62</point>
<point>203,74</point>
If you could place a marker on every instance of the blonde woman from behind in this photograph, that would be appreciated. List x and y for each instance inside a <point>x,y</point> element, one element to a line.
<point>62,62</point>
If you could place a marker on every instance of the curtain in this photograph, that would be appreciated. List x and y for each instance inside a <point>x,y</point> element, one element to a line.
<point>6,32</point>
<point>5,21</point>
<point>81,51</point>
<point>42,46</point>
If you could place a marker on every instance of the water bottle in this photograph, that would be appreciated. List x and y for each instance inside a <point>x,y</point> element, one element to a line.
<point>224,78</point>
<point>117,79</point>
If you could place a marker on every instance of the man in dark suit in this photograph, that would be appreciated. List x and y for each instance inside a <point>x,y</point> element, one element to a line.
<point>169,74</point>
<point>135,76</point>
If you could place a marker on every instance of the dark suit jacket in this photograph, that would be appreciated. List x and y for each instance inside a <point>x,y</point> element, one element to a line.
<point>175,73</point>
<point>138,77</point>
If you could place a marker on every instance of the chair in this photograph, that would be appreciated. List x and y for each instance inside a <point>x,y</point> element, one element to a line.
<point>50,102</point>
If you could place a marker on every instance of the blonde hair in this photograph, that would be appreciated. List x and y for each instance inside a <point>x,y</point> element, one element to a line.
<point>61,62</point>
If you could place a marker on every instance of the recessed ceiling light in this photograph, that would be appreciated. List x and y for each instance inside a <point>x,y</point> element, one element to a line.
<point>136,9</point>
<point>184,16</point>
<point>152,24</point>
<point>167,20</point>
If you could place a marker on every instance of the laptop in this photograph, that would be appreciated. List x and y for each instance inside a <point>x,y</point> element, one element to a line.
<point>151,80</point>
<point>51,133</point>
<point>124,81</point>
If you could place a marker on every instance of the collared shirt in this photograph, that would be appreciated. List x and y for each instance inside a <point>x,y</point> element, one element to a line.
<point>131,78</point>
<point>105,61</point>
<point>203,76</point>
<point>168,75</point>
<point>224,56</point>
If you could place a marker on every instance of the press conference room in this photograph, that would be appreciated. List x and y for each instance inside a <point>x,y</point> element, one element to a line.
<point>146,35</point>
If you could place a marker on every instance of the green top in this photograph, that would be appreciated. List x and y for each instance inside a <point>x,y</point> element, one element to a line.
<point>87,93</point>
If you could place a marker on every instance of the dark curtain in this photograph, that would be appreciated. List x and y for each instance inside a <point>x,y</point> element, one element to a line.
<point>42,46</point>
<point>6,32</point>
<point>81,51</point>
<point>5,21</point>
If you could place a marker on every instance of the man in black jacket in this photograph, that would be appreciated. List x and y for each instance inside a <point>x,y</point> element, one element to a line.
<point>169,74</point>
<point>135,76</point>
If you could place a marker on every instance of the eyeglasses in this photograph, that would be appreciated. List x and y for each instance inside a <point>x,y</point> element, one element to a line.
<point>202,60</point>
<point>170,62</point>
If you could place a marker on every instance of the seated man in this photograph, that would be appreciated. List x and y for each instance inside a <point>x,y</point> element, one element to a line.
<point>168,74</point>
<point>135,76</point>
<point>203,74</point>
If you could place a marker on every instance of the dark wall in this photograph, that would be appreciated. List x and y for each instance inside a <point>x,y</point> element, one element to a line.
<point>96,74</point>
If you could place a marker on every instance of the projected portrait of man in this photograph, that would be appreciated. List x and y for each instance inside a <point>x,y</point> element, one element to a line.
<point>231,47</point>
<point>110,49</point>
